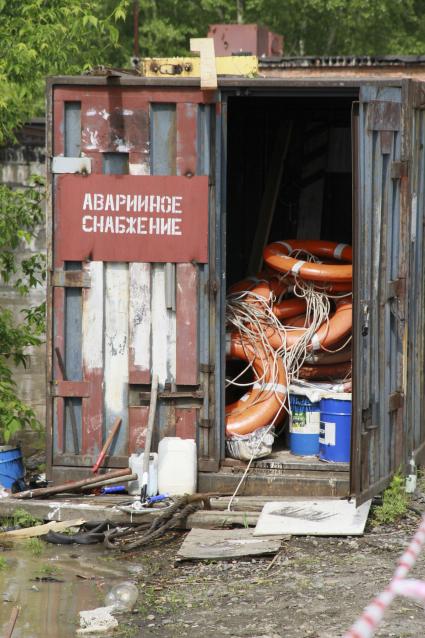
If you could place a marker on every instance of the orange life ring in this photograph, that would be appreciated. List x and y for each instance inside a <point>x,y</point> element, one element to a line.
<point>289,307</point>
<point>330,332</point>
<point>277,255</point>
<point>258,407</point>
<point>261,286</point>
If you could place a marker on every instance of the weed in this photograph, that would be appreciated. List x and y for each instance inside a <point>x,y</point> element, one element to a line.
<point>35,546</point>
<point>22,518</point>
<point>3,563</point>
<point>394,503</point>
<point>245,521</point>
<point>48,570</point>
<point>127,631</point>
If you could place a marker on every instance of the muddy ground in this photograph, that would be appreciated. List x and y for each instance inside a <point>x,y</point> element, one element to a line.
<point>315,589</point>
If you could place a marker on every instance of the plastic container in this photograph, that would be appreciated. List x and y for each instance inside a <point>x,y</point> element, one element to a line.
<point>335,430</point>
<point>177,466</point>
<point>123,596</point>
<point>135,463</point>
<point>304,426</point>
<point>11,465</point>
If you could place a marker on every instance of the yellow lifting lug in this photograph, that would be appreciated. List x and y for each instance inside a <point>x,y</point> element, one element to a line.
<point>190,67</point>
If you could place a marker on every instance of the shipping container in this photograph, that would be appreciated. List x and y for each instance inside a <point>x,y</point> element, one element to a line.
<point>127,304</point>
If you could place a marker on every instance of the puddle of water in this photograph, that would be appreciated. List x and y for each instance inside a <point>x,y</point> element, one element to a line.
<point>50,609</point>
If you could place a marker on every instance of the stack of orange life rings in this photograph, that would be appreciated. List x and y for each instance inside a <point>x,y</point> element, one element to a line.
<point>326,357</point>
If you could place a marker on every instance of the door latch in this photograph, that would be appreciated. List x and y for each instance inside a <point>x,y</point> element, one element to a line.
<point>365,322</point>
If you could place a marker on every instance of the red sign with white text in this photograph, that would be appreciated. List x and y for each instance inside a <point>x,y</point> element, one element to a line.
<point>147,218</point>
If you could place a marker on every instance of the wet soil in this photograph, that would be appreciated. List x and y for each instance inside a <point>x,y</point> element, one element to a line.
<point>314,588</point>
<point>52,587</point>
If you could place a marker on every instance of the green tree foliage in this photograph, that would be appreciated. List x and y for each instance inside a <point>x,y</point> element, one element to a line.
<point>310,27</point>
<point>20,214</point>
<point>47,37</point>
<point>37,38</point>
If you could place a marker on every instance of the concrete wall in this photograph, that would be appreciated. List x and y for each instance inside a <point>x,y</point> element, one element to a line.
<point>17,163</point>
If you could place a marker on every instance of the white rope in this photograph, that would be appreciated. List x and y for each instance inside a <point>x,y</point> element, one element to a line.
<point>251,316</point>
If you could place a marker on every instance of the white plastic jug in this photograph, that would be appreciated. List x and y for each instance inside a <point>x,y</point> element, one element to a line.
<point>177,465</point>
<point>135,463</point>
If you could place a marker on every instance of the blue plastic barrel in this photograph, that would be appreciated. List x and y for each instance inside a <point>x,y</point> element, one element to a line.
<point>335,430</point>
<point>304,426</point>
<point>11,466</point>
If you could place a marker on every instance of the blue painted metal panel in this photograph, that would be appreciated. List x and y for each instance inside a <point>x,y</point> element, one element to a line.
<point>379,259</point>
<point>416,322</point>
<point>115,163</point>
<point>72,132</point>
<point>163,139</point>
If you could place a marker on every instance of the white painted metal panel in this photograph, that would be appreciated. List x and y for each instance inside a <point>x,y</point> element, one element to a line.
<point>116,348</point>
<point>140,314</point>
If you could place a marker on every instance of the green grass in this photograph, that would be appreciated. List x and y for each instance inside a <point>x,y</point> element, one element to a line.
<point>3,563</point>
<point>394,503</point>
<point>35,546</point>
<point>21,518</point>
<point>48,570</point>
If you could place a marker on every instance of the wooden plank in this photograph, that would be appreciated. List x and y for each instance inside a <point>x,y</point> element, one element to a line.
<point>40,530</point>
<point>226,544</point>
<point>116,351</point>
<point>208,72</point>
<point>186,421</point>
<point>139,317</point>
<point>93,357</point>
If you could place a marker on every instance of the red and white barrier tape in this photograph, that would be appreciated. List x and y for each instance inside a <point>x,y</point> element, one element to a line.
<point>399,586</point>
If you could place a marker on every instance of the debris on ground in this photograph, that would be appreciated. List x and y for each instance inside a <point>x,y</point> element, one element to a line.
<point>39,530</point>
<point>226,544</point>
<point>97,620</point>
<point>320,517</point>
<point>123,596</point>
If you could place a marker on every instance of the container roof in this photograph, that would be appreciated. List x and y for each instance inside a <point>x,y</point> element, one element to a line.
<point>316,61</point>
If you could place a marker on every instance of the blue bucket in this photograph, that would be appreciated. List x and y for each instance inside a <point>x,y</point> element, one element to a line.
<point>11,466</point>
<point>335,430</point>
<point>304,426</point>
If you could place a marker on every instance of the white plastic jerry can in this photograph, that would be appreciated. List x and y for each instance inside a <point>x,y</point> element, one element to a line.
<point>177,466</point>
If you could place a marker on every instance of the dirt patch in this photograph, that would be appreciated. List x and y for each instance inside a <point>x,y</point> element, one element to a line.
<point>315,588</point>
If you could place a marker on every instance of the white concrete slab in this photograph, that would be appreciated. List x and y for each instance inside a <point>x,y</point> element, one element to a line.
<point>313,518</point>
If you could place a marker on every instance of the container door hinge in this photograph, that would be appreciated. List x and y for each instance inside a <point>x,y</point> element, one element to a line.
<point>395,401</point>
<point>212,287</point>
<point>207,368</point>
<point>399,169</point>
<point>367,423</point>
<point>205,423</point>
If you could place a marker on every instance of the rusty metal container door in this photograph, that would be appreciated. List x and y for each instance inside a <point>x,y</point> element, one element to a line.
<point>115,323</point>
<point>381,220</point>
